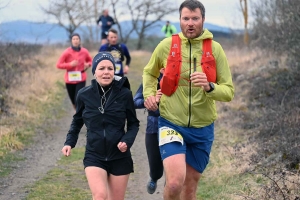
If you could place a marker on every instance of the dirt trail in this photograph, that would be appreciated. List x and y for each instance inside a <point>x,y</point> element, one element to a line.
<point>43,154</point>
<point>40,157</point>
<point>138,180</point>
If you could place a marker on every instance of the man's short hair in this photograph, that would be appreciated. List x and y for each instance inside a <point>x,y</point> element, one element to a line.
<point>192,5</point>
<point>113,31</point>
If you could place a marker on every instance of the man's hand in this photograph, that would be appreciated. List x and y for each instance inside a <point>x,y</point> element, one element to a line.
<point>199,79</point>
<point>150,103</point>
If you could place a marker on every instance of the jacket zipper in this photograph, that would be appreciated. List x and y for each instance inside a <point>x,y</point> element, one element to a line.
<point>190,88</point>
<point>104,132</point>
<point>104,140</point>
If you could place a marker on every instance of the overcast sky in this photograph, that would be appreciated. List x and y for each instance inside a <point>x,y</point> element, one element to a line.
<point>219,12</point>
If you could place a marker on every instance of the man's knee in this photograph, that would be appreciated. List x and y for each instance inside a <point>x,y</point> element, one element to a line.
<point>174,186</point>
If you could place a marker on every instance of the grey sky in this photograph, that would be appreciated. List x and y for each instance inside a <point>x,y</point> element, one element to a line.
<point>219,12</point>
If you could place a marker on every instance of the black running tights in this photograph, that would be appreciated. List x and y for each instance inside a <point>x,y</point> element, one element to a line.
<point>154,158</point>
<point>73,90</point>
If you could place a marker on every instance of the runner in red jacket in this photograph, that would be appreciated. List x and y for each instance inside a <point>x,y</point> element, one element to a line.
<point>75,60</point>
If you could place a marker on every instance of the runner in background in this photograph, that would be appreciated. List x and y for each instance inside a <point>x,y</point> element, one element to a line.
<point>168,29</point>
<point>151,137</point>
<point>75,60</point>
<point>106,22</point>
<point>118,51</point>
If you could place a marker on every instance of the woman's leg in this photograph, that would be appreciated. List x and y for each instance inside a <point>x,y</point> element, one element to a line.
<point>78,87</point>
<point>71,89</point>
<point>117,186</point>
<point>97,179</point>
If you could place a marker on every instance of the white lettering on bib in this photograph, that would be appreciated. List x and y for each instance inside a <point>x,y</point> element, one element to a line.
<point>74,76</point>
<point>118,68</point>
<point>167,135</point>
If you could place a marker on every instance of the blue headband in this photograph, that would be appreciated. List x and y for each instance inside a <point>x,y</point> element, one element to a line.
<point>102,56</point>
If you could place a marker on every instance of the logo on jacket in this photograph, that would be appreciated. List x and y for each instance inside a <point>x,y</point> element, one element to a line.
<point>116,54</point>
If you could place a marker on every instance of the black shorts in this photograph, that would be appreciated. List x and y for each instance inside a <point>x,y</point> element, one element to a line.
<point>104,35</point>
<point>122,166</point>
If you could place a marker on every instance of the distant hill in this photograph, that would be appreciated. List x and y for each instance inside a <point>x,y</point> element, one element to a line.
<point>33,32</point>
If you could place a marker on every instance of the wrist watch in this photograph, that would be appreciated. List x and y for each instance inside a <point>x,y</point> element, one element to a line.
<point>212,87</point>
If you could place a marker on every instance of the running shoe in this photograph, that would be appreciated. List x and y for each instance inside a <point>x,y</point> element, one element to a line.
<point>151,186</point>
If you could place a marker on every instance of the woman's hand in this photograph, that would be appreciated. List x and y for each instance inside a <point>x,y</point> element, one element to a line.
<point>86,65</point>
<point>122,146</point>
<point>66,150</point>
<point>74,63</point>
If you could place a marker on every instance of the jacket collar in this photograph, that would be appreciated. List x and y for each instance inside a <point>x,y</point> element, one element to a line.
<point>119,82</point>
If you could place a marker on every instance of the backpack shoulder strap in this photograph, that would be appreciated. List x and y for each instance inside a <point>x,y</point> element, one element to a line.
<point>175,49</point>
<point>207,47</point>
<point>208,62</point>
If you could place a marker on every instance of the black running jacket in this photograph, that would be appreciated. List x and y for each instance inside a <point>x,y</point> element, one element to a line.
<point>105,131</point>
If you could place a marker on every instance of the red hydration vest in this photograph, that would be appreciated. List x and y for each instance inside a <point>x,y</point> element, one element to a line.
<point>170,79</point>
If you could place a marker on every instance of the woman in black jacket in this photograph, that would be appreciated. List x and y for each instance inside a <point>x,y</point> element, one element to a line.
<point>105,107</point>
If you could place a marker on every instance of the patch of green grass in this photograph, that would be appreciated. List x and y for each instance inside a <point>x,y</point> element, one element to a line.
<point>65,181</point>
<point>5,163</point>
<point>223,187</point>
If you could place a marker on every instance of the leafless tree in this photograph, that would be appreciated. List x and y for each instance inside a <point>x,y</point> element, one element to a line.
<point>276,26</point>
<point>244,9</point>
<point>144,15</point>
<point>91,32</point>
<point>4,4</point>
<point>69,14</point>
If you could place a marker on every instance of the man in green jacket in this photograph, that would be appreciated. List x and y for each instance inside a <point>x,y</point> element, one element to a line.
<point>186,125</point>
<point>168,29</point>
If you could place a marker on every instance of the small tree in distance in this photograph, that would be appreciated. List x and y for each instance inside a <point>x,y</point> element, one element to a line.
<point>244,9</point>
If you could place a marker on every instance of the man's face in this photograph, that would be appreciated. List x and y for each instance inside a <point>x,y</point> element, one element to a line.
<point>105,12</point>
<point>112,38</point>
<point>191,23</point>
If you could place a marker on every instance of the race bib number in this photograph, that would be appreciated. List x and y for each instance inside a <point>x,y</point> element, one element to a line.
<point>167,135</point>
<point>118,68</point>
<point>74,76</point>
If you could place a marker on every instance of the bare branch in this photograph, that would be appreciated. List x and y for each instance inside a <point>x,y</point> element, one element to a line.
<point>69,14</point>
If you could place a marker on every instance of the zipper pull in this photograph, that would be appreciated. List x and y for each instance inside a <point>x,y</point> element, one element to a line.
<point>101,109</point>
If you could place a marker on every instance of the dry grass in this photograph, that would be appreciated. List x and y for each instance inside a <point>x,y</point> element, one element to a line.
<point>29,100</point>
<point>139,59</point>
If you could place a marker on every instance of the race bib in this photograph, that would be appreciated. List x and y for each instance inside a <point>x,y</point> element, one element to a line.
<point>118,68</point>
<point>167,135</point>
<point>74,76</point>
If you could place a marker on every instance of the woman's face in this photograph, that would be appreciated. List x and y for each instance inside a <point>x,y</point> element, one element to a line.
<point>104,72</point>
<point>75,41</point>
